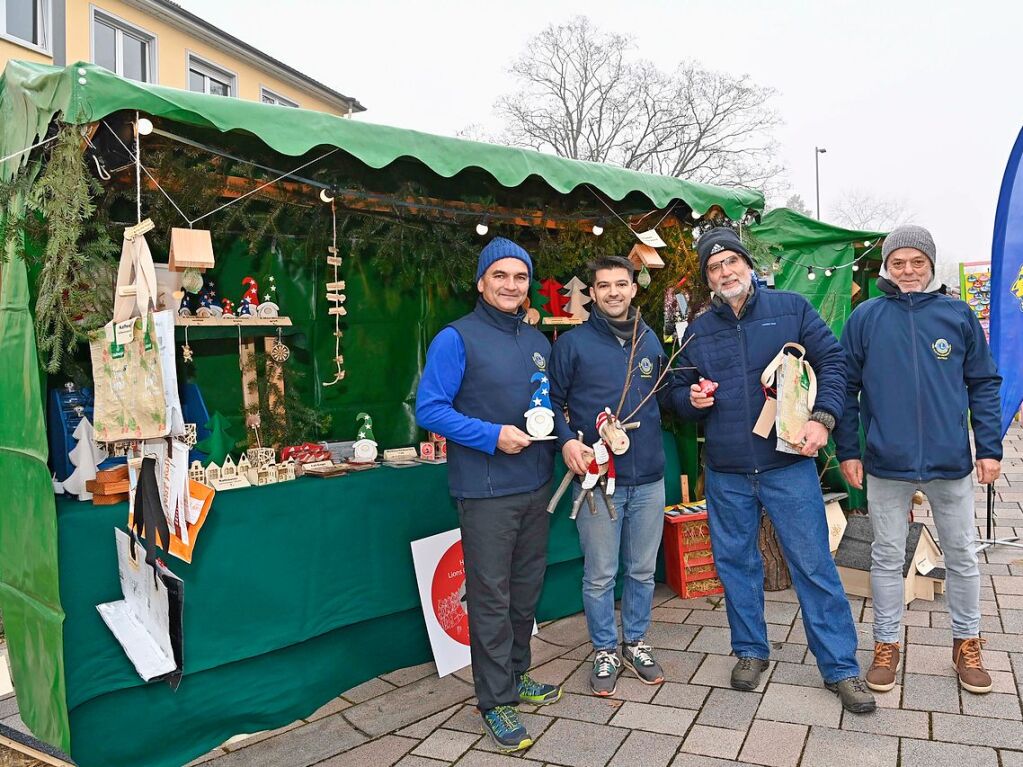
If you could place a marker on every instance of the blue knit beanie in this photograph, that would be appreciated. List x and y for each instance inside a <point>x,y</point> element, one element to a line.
<point>499,248</point>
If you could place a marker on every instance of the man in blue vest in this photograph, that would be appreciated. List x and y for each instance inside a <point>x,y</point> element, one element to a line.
<point>590,372</point>
<point>731,344</point>
<point>919,373</point>
<point>475,388</point>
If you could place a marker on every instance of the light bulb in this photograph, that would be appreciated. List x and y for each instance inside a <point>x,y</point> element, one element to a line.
<point>598,228</point>
<point>482,227</point>
<point>828,272</point>
<point>856,267</point>
<point>810,273</point>
<point>696,215</point>
<point>144,126</point>
<point>866,243</point>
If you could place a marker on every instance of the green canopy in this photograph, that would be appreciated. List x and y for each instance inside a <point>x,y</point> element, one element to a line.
<point>31,94</point>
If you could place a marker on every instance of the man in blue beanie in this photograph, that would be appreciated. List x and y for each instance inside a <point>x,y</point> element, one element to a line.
<point>475,389</point>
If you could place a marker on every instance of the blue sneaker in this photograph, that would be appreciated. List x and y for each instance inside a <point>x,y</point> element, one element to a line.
<point>537,693</point>
<point>504,728</point>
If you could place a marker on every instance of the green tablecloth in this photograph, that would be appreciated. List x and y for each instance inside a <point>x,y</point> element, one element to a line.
<point>291,588</point>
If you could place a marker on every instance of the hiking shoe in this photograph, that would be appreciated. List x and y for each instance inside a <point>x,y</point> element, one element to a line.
<point>854,695</point>
<point>746,673</point>
<point>969,666</point>
<point>604,678</point>
<point>881,676</point>
<point>537,693</point>
<point>504,728</point>
<point>639,658</point>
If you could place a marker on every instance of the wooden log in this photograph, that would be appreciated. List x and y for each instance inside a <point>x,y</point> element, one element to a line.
<point>776,571</point>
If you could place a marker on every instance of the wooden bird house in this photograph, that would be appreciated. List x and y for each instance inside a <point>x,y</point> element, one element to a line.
<point>190,249</point>
<point>643,255</point>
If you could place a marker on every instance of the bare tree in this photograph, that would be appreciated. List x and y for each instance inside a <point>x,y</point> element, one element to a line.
<point>865,211</point>
<point>797,203</point>
<point>582,95</point>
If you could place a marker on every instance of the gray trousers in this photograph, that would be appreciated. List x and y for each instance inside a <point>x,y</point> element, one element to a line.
<point>504,545</point>
<point>952,507</point>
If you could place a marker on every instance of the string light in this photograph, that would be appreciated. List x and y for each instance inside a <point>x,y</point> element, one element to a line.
<point>144,126</point>
<point>828,272</point>
<point>855,267</point>
<point>598,228</point>
<point>483,226</point>
<point>810,273</point>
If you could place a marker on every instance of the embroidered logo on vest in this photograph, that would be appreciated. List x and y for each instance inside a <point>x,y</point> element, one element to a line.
<point>539,361</point>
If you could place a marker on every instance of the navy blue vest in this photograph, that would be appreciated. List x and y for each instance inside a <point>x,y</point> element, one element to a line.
<point>501,354</point>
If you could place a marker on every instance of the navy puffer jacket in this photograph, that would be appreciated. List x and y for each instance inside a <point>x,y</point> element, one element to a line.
<point>734,352</point>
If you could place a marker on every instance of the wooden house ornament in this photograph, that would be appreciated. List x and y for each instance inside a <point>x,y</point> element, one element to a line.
<point>286,470</point>
<point>197,472</point>
<point>212,475</point>
<point>244,465</point>
<point>643,255</point>
<point>228,468</point>
<point>190,249</point>
<point>922,579</point>
<point>260,456</point>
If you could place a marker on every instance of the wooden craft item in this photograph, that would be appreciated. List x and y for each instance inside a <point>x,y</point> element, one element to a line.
<point>250,388</point>
<point>109,500</point>
<point>427,451</point>
<point>190,249</point>
<point>95,487</point>
<point>115,474</point>
<point>643,255</point>
<point>399,454</point>
<point>338,311</point>
<point>279,353</point>
<point>313,466</point>
<point>144,226</point>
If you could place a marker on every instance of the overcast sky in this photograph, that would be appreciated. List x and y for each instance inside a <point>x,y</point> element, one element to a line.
<point>917,102</point>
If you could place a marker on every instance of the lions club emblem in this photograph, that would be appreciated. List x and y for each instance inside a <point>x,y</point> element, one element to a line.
<point>941,349</point>
<point>646,367</point>
<point>539,361</point>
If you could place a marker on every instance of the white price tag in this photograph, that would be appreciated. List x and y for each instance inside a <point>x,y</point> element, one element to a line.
<point>651,238</point>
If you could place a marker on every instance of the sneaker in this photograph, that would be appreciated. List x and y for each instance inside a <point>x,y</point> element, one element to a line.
<point>969,666</point>
<point>854,695</point>
<point>746,673</point>
<point>537,693</point>
<point>881,676</point>
<point>639,658</point>
<point>604,679</point>
<point>504,728</point>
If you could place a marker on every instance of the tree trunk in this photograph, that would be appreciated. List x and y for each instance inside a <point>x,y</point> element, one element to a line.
<point>776,572</point>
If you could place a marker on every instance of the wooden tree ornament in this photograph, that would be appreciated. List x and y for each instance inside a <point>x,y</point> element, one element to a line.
<point>550,289</point>
<point>577,299</point>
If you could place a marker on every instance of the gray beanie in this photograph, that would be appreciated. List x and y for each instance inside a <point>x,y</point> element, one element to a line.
<point>909,236</point>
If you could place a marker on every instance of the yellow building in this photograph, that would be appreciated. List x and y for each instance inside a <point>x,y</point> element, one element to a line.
<point>157,41</point>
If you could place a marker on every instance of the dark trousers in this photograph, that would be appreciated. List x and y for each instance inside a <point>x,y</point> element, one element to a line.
<point>504,545</point>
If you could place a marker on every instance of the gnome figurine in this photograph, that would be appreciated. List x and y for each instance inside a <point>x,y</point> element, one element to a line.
<point>365,443</point>
<point>540,416</point>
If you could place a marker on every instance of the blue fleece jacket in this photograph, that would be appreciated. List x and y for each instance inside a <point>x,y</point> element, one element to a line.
<point>734,352</point>
<point>919,367</point>
<point>588,369</point>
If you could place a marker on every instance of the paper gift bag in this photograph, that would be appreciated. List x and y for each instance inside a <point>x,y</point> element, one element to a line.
<point>796,386</point>
<point>130,402</point>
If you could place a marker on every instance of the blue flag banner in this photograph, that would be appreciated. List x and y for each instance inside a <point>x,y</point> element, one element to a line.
<point>1007,286</point>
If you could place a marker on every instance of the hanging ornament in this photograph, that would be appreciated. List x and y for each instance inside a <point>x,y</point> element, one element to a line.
<point>643,280</point>
<point>191,280</point>
<point>186,350</point>
<point>334,295</point>
<point>279,353</point>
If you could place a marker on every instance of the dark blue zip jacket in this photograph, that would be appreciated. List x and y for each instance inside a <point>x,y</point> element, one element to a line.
<point>734,352</point>
<point>470,389</point>
<point>588,368</point>
<point>919,366</point>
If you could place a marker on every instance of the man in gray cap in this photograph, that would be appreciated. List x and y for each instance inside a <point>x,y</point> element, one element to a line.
<point>919,371</point>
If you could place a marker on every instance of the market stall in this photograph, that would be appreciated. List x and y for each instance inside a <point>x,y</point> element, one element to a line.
<point>363,239</point>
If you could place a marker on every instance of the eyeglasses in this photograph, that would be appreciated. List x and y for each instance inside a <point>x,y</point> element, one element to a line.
<point>730,262</point>
<point>898,264</point>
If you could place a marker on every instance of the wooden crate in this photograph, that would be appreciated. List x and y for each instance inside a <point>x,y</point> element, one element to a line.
<point>688,558</point>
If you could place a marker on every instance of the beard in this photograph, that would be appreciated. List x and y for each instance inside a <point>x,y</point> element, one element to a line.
<point>740,288</point>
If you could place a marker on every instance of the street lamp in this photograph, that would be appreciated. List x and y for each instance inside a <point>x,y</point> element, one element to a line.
<point>817,152</point>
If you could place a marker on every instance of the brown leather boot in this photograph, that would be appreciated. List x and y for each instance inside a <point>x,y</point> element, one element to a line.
<point>969,666</point>
<point>881,676</point>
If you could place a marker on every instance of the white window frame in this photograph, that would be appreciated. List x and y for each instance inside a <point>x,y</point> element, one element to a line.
<point>266,93</point>
<point>44,9</point>
<point>205,67</point>
<point>121,28</point>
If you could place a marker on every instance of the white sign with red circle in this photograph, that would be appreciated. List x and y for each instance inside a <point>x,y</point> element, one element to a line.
<point>440,572</point>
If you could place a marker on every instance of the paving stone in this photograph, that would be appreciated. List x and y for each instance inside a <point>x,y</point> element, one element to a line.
<point>716,670</point>
<point>928,659</point>
<point>838,748</point>
<point>577,744</point>
<point>713,741</point>
<point>1011,758</point>
<point>582,652</point>
<point>919,635</point>
<point>419,761</point>
<point>679,666</point>
<point>776,744</point>
<point>977,731</point>
<point>476,758</point>
<point>701,603</point>
<point>424,727</point>
<point>567,632</point>
<point>1011,601</point>
<point>1012,621</point>
<point>1005,642</point>
<point>712,639</point>
<point>630,688</point>
<point>707,618</point>
<point>446,745</point>
<point>671,636</point>
<point>780,612</point>
<point>243,740</point>
<point>8,707</point>
<point>729,709</point>
<point>207,757</point>
<point>299,747</point>
<point>889,699</point>
<point>588,708</point>
<point>332,707</point>
<point>785,595</point>
<point>644,716</point>
<point>669,615</point>
<point>535,725</point>
<point>368,689</point>
<point>411,674</point>
<point>1007,584</point>
<point>540,651</point>
<point>930,693</point>
<point>797,634</point>
<point>554,671</point>
<point>463,718</point>
<point>407,704</point>
<point>934,754</point>
<point>800,705</point>
<point>783,652</point>
<point>646,749</point>
<point>796,673</point>
<point>662,593</point>
<point>887,721</point>
<point>382,752</point>
<point>995,705</point>
<point>681,695</point>
<point>698,760</point>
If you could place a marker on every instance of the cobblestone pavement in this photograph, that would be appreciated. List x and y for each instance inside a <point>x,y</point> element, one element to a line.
<point>413,719</point>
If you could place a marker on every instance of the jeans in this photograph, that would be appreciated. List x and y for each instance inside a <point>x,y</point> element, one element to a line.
<point>504,547</point>
<point>951,502</point>
<point>635,537</point>
<point>791,496</point>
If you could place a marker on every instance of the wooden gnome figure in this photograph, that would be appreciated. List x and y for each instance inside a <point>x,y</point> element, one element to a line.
<point>269,307</point>
<point>85,456</point>
<point>365,443</point>
<point>185,309</point>
<point>540,416</point>
<point>228,307</point>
